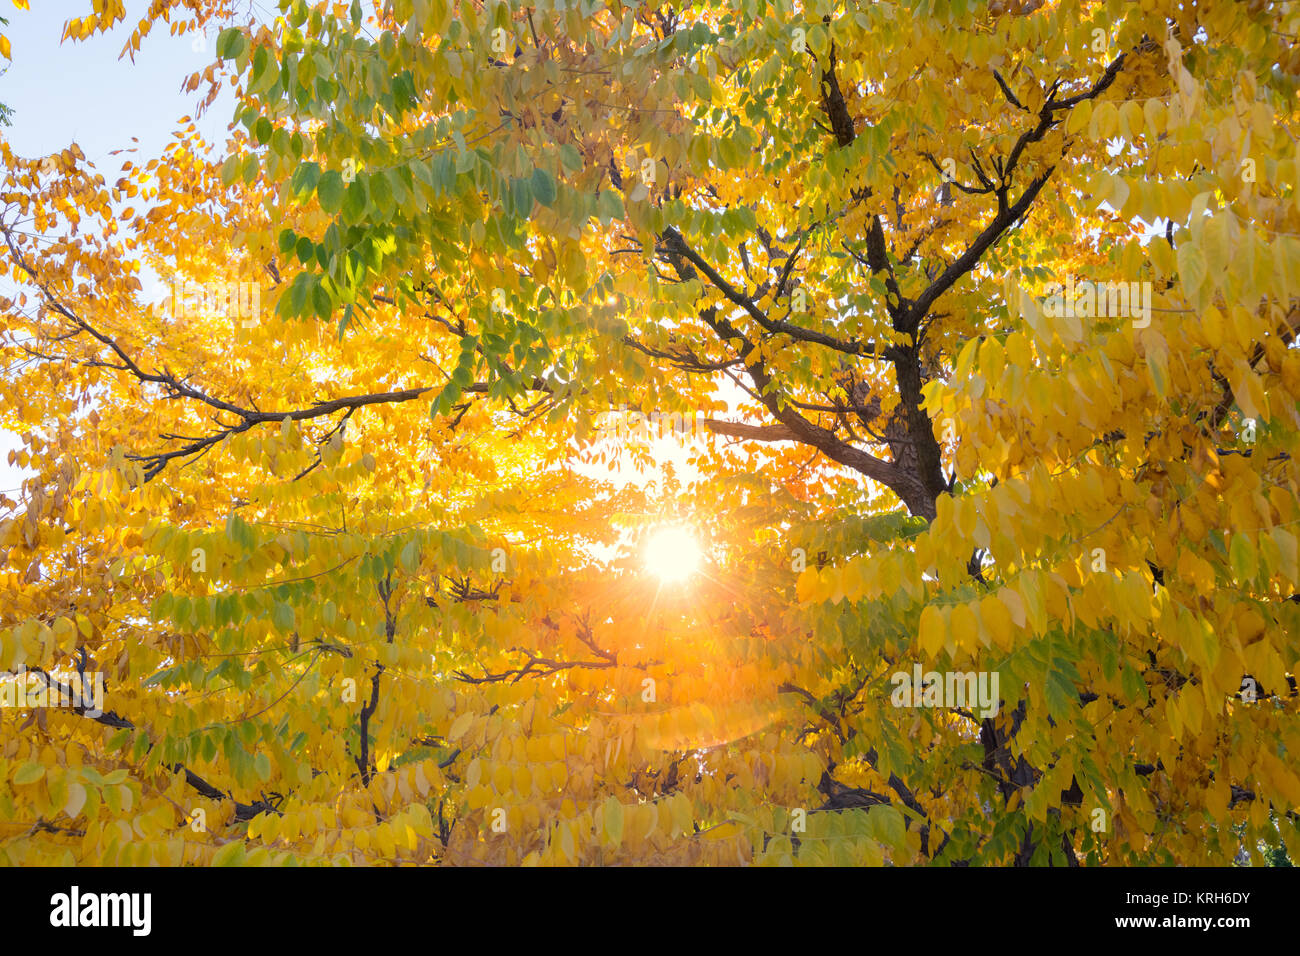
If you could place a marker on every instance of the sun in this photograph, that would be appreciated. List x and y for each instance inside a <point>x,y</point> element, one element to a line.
<point>672,554</point>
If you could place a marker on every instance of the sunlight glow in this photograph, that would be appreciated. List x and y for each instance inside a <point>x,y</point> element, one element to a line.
<point>672,554</point>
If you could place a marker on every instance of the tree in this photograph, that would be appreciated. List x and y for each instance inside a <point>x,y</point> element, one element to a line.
<point>1001,293</point>
<point>5,111</point>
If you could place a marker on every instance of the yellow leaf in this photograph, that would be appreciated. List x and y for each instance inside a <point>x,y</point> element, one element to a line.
<point>722,831</point>
<point>384,837</point>
<point>1115,192</point>
<point>1249,392</point>
<point>1015,605</point>
<point>1174,716</point>
<point>1281,777</point>
<point>965,516</point>
<point>683,816</point>
<point>1214,244</point>
<point>1131,118</point>
<point>1154,115</point>
<point>1193,711</point>
<point>806,587</point>
<point>1079,117</point>
<point>1286,546</point>
<point>1105,119</point>
<point>459,726</point>
<point>76,800</point>
<point>996,619</point>
<point>965,628</point>
<point>566,842</point>
<point>931,630</point>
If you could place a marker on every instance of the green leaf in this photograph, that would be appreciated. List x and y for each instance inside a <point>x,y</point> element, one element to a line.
<point>321,302</point>
<point>612,820</point>
<point>29,772</point>
<point>282,616</point>
<point>250,168</point>
<point>381,193</point>
<point>570,158</point>
<point>444,174</point>
<point>374,256</point>
<point>304,180</point>
<point>1060,694</point>
<point>1135,688</point>
<point>888,825</point>
<point>355,202</point>
<point>330,191</point>
<point>521,193</point>
<point>230,43</point>
<point>297,297</point>
<point>1242,557</point>
<point>543,187</point>
<point>403,187</point>
<point>230,171</point>
<point>261,63</point>
<point>609,206</point>
<point>699,153</point>
<point>280,144</point>
<point>232,854</point>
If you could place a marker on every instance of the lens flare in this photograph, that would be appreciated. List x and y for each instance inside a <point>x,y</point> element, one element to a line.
<point>672,554</point>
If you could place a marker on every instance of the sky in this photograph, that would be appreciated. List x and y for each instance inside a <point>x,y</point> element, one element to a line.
<point>81,92</point>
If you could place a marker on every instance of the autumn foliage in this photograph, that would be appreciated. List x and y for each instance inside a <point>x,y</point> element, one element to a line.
<point>350,553</point>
